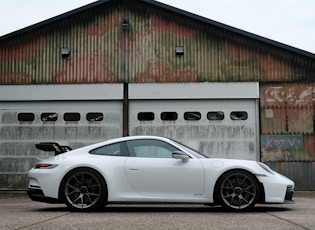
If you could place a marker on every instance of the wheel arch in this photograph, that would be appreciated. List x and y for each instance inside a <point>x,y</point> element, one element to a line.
<point>261,198</point>
<point>81,168</point>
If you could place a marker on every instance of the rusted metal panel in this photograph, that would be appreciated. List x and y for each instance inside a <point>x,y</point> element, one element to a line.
<point>273,120</point>
<point>102,51</point>
<point>92,50</point>
<point>288,110</point>
<point>302,173</point>
<point>293,94</point>
<point>301,119</point>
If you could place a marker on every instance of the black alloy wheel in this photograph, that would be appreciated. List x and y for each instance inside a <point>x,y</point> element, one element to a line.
<point>84,189</point>
<point>237,191</point>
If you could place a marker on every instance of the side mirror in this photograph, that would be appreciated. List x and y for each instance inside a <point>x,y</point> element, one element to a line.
<point>180,155</point>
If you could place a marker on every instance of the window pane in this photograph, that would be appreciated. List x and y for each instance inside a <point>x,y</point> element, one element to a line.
<point>150,149</point>
<point>146,116</point>
<point>49,116</point>
<point>94,117</point>
<point>110,150</point>
<point>215,115</point>
<point>192,116</point>
<point>26,116</point>
<point>72,116</point>
<point>169,116</point>
<point>239,115</point>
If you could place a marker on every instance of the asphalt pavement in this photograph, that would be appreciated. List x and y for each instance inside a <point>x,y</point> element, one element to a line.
<point>17,211</point>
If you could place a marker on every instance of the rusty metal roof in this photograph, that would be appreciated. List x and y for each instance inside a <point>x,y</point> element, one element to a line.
<point>171,9</point>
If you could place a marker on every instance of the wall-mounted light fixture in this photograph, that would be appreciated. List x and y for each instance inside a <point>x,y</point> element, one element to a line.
<point>179,50</point>
<point>125,24</point>
<point>65,52</point>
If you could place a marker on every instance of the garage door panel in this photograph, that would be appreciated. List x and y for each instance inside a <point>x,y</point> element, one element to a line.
<point>229,137</point>
<point>25,124</point>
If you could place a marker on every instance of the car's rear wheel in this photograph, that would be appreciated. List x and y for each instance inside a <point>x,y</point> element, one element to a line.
<point>83,189</point>
<point>237,191</point>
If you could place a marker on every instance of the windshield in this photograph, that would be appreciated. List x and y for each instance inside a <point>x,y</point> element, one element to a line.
<point>190,150</point>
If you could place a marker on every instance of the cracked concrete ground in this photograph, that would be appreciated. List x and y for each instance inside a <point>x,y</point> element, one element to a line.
<point>17,211</point>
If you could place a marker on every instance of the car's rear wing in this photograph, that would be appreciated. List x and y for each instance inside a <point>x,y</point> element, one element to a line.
<point>53,147</point>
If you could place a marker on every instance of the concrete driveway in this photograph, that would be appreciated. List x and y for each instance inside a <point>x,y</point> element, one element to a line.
<point>17,211</point>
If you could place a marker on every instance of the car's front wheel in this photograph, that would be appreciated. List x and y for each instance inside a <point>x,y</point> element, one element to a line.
<point>237,191</point>
<point>83,189</point>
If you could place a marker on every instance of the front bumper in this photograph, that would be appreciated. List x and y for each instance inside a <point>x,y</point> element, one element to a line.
<point>38,195</point>
<point>288,199</point>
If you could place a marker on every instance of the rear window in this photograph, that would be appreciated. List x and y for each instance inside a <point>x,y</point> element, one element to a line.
<point>72,116</point>
<point>192,116</point>
<point>145,116</point>
<point>215,116</point>
<point>26,117</point>
<point>49,116</point>
<point>116,149</point>
<point>92,117</point>
<point>239,115</point>
<point>169,116</point>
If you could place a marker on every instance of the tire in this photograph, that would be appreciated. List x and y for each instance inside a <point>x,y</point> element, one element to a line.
<point>83,189</point>
<point>237,191</point>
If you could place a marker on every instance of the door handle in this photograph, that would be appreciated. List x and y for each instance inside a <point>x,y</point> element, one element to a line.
<point>134,169</point>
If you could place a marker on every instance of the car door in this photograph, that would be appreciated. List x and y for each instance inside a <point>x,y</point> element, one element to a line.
<point>152,171</point>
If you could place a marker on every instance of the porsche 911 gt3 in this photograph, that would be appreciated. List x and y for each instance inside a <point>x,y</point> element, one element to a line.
<point>151,170</point>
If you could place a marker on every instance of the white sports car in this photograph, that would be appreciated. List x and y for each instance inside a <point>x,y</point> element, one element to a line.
<point>149,169</point>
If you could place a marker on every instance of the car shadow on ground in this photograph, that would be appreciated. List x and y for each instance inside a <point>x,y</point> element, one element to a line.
<point>167,208</point>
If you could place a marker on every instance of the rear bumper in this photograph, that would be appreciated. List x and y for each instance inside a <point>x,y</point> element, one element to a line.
<point>38,195</point>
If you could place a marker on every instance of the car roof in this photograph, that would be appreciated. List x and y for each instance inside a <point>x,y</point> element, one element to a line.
<point>116,140</point>
<point>127,138</point>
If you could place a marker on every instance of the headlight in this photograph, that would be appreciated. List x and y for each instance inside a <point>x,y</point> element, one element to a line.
<point>265,167</point>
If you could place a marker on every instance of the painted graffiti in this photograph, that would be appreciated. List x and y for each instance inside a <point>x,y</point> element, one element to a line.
<point>293,95</point>
<point>282,141</point>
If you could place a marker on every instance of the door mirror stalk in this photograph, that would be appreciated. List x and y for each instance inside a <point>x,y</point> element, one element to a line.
<point>180,155</point>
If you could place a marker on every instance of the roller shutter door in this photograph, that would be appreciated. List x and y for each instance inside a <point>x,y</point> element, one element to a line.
<point>76,115</point>
<point>218,128</point>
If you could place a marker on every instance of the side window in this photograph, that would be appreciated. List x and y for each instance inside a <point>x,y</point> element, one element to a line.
<point>150,148</point>
<point>169,116</point>
<point>92,117</point>
<point>49,116</point>
<point>72,116</point>
<point>116,149</point>
<point>239,115</point>
<point>26,117</point>
<point>192,116</point>
<point>218,116</point>
<point>145,116</point>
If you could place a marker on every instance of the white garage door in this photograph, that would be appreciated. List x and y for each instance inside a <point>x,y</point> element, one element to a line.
<point>216,127</point>
<point>53,117</point>
<point>78,123</point>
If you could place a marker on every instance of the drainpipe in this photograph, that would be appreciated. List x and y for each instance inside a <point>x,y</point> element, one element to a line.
<point>126,111</point>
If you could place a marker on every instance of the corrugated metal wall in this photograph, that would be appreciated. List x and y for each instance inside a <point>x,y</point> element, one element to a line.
<point>287,130</point>
<point>103,51</point>
<point>287,122</point>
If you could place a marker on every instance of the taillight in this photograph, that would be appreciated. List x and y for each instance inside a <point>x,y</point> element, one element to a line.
<point>45,166</point>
